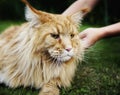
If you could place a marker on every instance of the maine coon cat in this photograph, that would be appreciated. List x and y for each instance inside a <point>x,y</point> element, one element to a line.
<point>41,53</point>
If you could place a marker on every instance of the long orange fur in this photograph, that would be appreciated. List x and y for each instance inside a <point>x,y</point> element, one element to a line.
<point>24,57</point>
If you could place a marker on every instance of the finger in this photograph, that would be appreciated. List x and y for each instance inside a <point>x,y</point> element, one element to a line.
<point>82,35</point>
<point>85,44</point>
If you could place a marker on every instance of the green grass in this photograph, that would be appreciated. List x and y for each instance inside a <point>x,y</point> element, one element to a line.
<point>5,24</point>
<point>98,74</point>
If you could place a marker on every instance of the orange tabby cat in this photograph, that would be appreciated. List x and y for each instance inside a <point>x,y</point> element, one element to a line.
<point>42,52</point>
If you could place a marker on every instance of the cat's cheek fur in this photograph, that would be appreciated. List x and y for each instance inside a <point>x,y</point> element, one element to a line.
<point>49,42</point>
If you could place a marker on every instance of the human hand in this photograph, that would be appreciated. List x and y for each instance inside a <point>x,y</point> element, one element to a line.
<point>90,36</point>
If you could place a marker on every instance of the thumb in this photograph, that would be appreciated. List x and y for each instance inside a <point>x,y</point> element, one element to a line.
<point>82,35</point>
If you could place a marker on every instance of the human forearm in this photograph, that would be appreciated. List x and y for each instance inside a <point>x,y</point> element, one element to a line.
<point>110,30</point>
<point>91,35</point>
<point>80,4</point>
<point>74,7</point>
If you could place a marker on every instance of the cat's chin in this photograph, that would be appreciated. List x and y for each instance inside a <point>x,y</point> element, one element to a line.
<point>63,59</point>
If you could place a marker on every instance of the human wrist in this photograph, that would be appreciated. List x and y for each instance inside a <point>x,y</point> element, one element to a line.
<point>103,32</point>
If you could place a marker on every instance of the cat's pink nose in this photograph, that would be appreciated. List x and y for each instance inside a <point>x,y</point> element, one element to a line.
<point>68,49</point>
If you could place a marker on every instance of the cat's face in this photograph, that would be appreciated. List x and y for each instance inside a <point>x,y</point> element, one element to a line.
<point>61,39</point>
<point>56,35</point>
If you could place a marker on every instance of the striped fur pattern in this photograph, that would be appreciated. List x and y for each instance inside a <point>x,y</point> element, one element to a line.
<point>41,53</point>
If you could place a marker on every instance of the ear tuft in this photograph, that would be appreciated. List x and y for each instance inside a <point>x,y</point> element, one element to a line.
<point>29,14</point>
<point>78,16</point>
<point>35,16</point>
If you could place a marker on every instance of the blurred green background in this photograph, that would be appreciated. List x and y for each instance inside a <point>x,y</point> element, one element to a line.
<point>99,73</point>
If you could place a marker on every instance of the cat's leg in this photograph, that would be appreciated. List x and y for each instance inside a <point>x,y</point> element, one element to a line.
<point>49,89</point>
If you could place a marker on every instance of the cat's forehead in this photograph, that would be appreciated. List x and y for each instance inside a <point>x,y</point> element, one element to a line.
<point>62,19</point>
<point>62,24</point>
<point>63,28</point>
<point>56,18</point>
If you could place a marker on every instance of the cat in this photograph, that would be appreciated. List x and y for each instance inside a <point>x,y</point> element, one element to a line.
<point>42,53</point>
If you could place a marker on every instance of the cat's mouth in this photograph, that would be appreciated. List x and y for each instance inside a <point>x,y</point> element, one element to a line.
<point>64,58</point>
<point>61,59</point>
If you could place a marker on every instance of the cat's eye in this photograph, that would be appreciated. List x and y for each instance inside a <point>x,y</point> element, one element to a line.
<point>72,35</point>
<point>55,36</point>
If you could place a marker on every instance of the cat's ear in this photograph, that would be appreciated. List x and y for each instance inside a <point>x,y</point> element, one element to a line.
<point>34,16</point>
<point>30,13</point>
<point>78,16</point>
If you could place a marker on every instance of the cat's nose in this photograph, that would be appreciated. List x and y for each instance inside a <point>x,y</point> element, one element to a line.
<point>68,49</point>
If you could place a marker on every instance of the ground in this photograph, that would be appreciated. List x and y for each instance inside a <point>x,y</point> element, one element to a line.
<point>98,74</point>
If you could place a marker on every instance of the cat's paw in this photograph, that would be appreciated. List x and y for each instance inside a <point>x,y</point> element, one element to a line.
<point>49,92</point>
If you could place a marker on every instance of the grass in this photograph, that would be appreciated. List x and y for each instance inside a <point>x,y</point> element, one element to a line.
<point>98,74</point>
<point>5,24</point>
